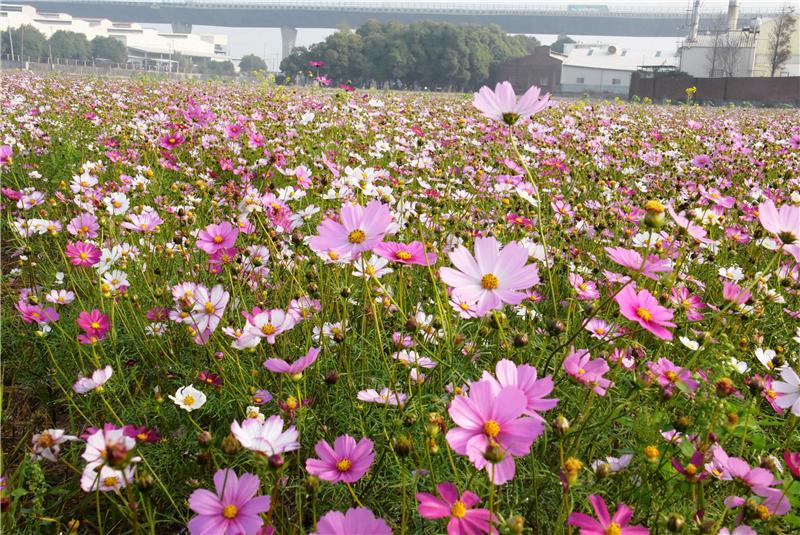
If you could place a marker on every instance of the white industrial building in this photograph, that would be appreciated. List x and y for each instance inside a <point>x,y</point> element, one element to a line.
<point>145,45</point>
<point>607,68</point>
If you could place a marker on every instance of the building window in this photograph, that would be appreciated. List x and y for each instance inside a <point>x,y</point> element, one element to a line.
<point>658,54</point>
<point>624,53</point>
<point>579,80</point>
<point>589,53</point>
<point>616,81</point>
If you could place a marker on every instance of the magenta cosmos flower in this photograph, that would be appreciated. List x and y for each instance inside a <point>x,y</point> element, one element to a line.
<point>361,229</point>
<point>217,237</point>
<point>83,254</point>
<point>233,510</point>
<point>296,367</point>
<point>493,276</point>
<point>412,253</point>
<point>524,378</point>
<point>644,309</point>
<point>605,524</point>
<point>502,105</point>
<point>464,520</point>
<point>492,419</point>
<point>357,521</point>
<point>347,461</point>
<point>95,326</point>
<point>783,223</point>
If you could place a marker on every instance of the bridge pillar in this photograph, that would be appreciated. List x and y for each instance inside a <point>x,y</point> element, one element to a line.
<point>181,27</point>
<point>288,40</point>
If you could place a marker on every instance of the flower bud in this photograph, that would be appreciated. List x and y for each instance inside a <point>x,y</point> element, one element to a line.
<point>675,522</point>
<point>560,425</point>
<point>332,377</point>
<point>230,445</point>
<point>73,525</point>
<point>682,423</point>
<point>144,479</point>
<point>651,453</point>
<point>603,471</point>
<point>204,438</point>
<point>494,453</point>
<point>516,524</point>
<point>725,387</point>
<point>402,445</point>
<point>311,484</point>
<point>276,461</point>
<point>521,340</point>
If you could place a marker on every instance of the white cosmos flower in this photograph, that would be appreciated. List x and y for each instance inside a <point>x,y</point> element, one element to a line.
<point>188,398</point>
<point>688,342</point>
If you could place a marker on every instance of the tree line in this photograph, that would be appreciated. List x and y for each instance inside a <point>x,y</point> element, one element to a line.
<point>422,54</point>
<point>27,41</point>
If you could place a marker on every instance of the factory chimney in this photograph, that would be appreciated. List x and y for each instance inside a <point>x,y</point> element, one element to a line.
<point>733,15</point>
<point>695,22</point>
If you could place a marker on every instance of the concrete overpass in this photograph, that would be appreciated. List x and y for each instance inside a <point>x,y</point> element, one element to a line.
<point>288,15</point>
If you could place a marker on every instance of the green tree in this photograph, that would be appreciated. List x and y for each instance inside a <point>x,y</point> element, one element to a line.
<point>220,68</point>
<point>558,44</point>
<point>70,45</point>
<point>251,63</point>
<point>25,40</point>
<point>110,49</point>
<point>780,39</point>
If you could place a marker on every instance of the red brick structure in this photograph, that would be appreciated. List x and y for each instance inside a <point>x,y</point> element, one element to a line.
<point>783,90</point>
<point>540,68</point>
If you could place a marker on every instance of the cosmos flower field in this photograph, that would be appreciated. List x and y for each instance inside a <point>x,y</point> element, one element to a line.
<point>249,309</point>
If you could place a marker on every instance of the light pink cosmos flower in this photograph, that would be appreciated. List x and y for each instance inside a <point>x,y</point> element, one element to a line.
<point>361,229</point>
<point>208,307</point>
<point>523,376</point>
<point>47,444</point>
<point>357,521</point>
<point>217,237</point>
<point>669,375</point>
<point>580,366</point>
<point>788,391</point>
<point>6,155</point>
<point>487,418</point>
<point>586,289</point>
<point>267,437</point>
<point>502,105</point>
<point>606,524</point>
<point>233,509</point>
<point>616,464</point>
<point>264,324</point>
<point>384,397</point>
<point>85,385</point>
<point>783,223</point>
<point>464,518</point>
<point>295,368</point>
<point>145,222</point>
<point>600,328</point>
<point>84,226</point>
<point>634,261</point>
<point>738,530</point>
<point>695,231</point>
<point>644,309</point>
<point>734,293</point>
<point>494,276</point>
<point>35,313</point>
<point>412,253</point>
<point>346,461</point>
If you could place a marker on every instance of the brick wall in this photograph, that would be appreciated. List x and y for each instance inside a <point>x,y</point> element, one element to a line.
<point>783,90</point>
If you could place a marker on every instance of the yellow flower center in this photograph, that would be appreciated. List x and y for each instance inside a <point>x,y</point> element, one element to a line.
<point>464,306</point>
<point>357,236</point>
<point>268,329</point>
<point>613,529</point>
<point>459,510</point>
<point>110,481</point>
<point>217,239</point>
<point>643,313</point>
<point>491,428</point>
<point>583,286</point>
<point>690,469</point>
<point>581,371</point>
<point>95,325</point>
<point>343,465</point>
<point>333,255</point>
<point>291,403</point>
<point>672,376</point>
<point>142,436</point>
<point>404,255</point>
<point>188,400</point>
<point>651,452</point>
<point>209,307</point>
<point>45,440</point>
<point>230,511</point>
<point>84,255</point>
<point>490,281</point>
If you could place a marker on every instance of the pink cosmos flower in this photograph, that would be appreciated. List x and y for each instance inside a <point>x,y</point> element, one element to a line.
<point>644,309</point>
<point>35,313</point>
<point>580,366</point>
<point>492,277</point>
<point>6,155</point>
<point>357,521</point>
<point>600,328</point>
<point>95,326</point>
<point>691,304</point>
<point>265,324</point>
<point>361,229</point>
<point>208,307</point>
<point>216,237</point>
<point>669,375</point>
<point>233,509</point>
<point>413,253</point>
<point>634,261</point>
<point>170,141</point>
<point>146,222</point>
<point>295,368</point>
<point>586,290</point>
<point>735,293</point>
<point>47,444</point>
<point>464,520</point>
<point>502,105</point>
<point>84,225</point>
<point>492,419</point>
<point>85,385</point>
<point>384,397</point>
<point>523,376</point>
<point>695,231</point>
<point>347,461</point>
<point>83,254</point>
<point>783,223</point>
<point>606,524</point>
